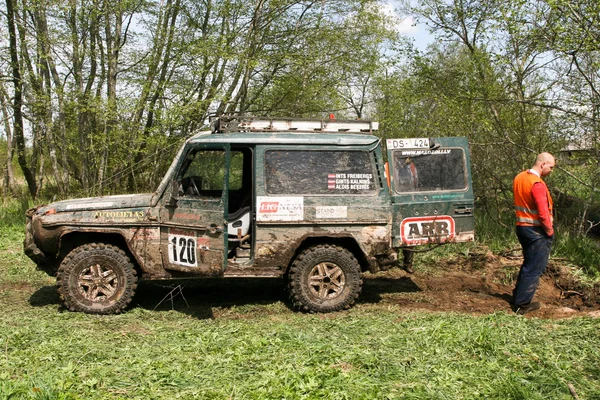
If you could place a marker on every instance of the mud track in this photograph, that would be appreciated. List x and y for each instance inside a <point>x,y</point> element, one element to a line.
<point>482,283</point>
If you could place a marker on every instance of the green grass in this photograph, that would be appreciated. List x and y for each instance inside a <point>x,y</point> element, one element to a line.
<point>583,252</point>
<point>214,345</point>
<point>365,353</point>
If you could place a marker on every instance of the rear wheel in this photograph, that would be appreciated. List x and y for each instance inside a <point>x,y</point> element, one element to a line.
<point>325,278</point>
<point>97,278</point>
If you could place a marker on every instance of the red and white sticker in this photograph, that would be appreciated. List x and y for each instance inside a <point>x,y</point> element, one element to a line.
<point>421,230</point>
<point>331,181</point>
<point>280,208</point>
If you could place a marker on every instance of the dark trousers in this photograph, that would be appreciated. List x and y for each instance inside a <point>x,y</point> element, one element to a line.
<point>536,251</point>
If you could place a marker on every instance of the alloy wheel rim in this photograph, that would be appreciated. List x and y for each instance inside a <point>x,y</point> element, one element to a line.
<point>326,281</point>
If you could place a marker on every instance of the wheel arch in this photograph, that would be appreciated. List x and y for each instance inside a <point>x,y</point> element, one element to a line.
<point>348,242</point>
<point>71,239</point>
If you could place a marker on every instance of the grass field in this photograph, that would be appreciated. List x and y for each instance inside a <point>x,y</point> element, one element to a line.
<point>240,340</point>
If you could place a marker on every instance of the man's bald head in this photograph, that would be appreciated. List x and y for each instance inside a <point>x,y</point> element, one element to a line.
<point>544,164</point>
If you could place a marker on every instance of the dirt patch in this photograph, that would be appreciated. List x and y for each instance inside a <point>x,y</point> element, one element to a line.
<point>482,283</point>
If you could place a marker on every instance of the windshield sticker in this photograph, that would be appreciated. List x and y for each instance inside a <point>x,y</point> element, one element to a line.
<point>421,230</point>
<point>349,181</point>
<point>447,196</point>
<point>182,249</point>
<point>423,152</point>
<point>280,208</point>
<point>331,212</point>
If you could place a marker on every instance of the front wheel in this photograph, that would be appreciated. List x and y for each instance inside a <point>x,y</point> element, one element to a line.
<point>325,278</point>
<point>97,278</point>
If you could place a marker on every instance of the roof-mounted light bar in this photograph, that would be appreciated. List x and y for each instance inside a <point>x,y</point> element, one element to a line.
<point>261,124</point>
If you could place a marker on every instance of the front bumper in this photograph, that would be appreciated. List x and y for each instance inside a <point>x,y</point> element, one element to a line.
<point>34,253</point>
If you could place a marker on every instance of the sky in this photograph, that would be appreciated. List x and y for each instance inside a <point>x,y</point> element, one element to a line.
<point>406,25</point>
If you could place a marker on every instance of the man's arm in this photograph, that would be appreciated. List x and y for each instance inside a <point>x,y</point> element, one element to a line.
<point>541,201</point>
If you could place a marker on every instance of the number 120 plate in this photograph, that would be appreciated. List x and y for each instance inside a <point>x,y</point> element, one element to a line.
<point>182,250</point>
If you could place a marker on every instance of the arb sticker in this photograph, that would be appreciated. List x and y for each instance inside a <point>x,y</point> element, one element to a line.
<point>421,230</point>
<point>182,248</point>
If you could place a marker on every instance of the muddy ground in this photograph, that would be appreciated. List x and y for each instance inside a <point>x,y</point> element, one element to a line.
<point>482,283</point>
<point>479,283</point>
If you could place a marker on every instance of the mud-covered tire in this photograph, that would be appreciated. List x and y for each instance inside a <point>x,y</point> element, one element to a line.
<point>324,278</point>
<point>97,278</point>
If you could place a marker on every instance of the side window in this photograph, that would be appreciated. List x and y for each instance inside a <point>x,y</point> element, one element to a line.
<point>236,170</point>
<point>204,173</point>
<point>429,170</point>
<point>319,172</point>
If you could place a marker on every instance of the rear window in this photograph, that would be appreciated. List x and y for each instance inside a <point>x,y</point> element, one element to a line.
<point>319,172</point>
<point>429,170</point>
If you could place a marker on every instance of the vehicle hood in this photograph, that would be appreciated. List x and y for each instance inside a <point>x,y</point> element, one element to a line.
<point>99,203</point>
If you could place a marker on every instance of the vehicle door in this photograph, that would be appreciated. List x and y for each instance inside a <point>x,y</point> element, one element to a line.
<point>432,191</point>
<point>193,223</point>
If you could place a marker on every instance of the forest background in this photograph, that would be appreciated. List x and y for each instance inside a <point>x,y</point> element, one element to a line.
<point>97,95</point>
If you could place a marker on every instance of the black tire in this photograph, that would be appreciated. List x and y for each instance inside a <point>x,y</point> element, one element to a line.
<point>96,278</point>
<point>325,278</point>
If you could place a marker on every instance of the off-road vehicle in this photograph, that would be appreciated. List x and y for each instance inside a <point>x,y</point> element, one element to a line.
<point>311,201</point>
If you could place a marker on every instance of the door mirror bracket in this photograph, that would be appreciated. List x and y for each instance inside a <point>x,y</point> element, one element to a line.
<point>172,194</point>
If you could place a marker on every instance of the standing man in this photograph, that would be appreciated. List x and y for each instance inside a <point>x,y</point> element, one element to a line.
<point>533,206</point>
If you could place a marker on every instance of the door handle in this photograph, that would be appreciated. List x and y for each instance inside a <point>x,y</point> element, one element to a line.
<point>214,228</point>
<point>463,210</point>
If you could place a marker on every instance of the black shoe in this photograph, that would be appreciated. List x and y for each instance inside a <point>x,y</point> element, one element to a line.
<point>409,269</point>
<point>523,309</point>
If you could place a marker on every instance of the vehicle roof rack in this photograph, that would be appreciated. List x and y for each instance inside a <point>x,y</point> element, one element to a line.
<point>228,124</point>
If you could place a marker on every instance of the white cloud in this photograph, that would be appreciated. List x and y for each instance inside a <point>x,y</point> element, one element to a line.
<point>407,26</point>
<point>401,24</point>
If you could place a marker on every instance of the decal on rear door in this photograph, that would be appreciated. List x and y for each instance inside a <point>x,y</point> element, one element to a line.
<point>422,230</point>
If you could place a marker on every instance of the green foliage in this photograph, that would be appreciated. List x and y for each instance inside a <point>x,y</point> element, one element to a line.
<point>96,113</point>
<point>499,236</point>
<point>12,212</point>
<point>581,251</point>
<point>15,267</point>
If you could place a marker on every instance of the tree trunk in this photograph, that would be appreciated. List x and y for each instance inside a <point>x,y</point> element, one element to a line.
<point>46,92</point>
<point>113,46</point>
<point>18,101</point>
<point>9,177</point>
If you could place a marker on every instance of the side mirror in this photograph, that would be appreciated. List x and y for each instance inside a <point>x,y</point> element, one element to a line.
<point>172,194</point>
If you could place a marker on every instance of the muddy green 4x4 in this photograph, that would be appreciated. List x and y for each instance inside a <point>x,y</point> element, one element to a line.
<point>310,201</point>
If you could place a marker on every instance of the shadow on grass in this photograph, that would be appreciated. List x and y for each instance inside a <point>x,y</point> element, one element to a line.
<point>45,296</point>
<point>374,287</point>
<point>199,297</point>
<point>503,296</point>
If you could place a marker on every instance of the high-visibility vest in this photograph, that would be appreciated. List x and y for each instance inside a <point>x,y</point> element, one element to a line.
<point>525,207</point>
